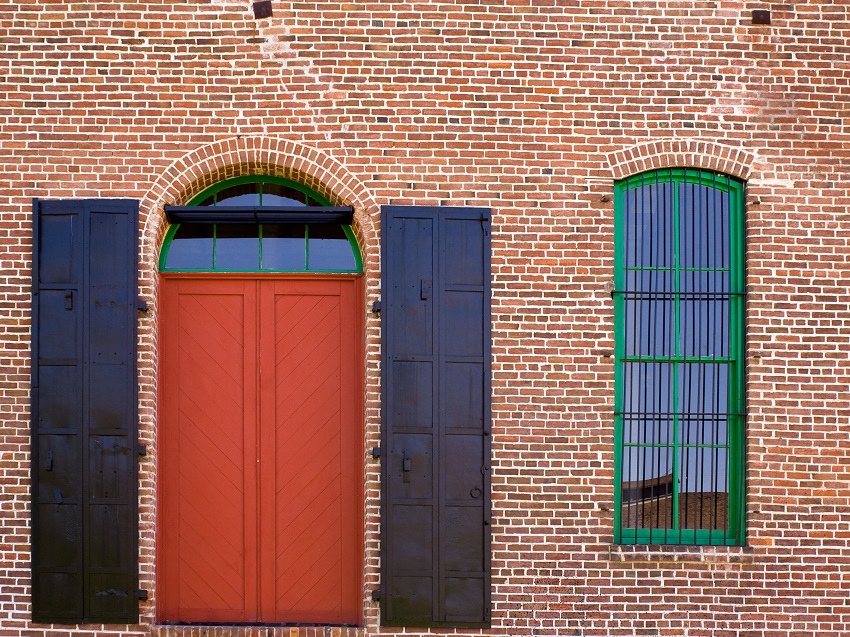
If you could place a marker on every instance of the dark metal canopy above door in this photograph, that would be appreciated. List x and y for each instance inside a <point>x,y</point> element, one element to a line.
<point>260,214</point>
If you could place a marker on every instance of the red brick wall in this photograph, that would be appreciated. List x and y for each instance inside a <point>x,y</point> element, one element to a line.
<point>531,107</point>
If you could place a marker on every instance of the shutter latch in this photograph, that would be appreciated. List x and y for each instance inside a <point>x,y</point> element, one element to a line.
<point>406,466</point>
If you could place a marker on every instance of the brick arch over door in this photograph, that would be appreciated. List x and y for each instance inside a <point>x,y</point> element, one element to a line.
<point>694,153</point>
<point>185,178</point>
<point>250,155</point>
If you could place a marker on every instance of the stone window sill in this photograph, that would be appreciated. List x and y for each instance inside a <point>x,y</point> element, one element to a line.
<point>679,553</point>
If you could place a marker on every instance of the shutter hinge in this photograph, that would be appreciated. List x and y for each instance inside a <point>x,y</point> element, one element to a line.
<point>142,594</point>
<point>376,452</point>
<point>376,307</point>
<point>143,450</point>
<point>485,224</point>
<point>141,305</point>
<point>376,595</point>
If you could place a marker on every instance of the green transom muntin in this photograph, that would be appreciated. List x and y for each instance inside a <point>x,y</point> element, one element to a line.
<point>679,348</point>
<point>249,247</point>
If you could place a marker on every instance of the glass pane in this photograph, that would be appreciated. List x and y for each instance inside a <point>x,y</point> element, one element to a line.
<point>191,248</point>
<point>648,327</point>
<point>647,388</point>
<point>329,248</point>
<point>241,195</point>
<point>703,488</point>
<point>650,281</point>
<point>648,214</point>
<point>284,247</point>
<point>653,429</point>
<point>703,227</point>
<point>699,430</point>
<point>277,195</point>
<point>704,327</point>
<point>647,488</point>
<point>703,282</point>
<point>237,247</point>
<point>703,388</point>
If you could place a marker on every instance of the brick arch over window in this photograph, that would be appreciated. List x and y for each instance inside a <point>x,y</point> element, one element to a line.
<point>235,157</point>
<point>694,153</point>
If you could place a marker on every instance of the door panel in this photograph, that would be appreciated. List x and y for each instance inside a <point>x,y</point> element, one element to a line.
<point>318,449</point>
<point>264,451</point>
<point>209,427</point>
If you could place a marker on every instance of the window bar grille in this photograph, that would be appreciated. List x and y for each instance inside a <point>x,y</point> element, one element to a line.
<point>676,366</point>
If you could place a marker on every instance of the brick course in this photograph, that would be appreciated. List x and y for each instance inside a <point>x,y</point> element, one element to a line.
<point>533,108</point>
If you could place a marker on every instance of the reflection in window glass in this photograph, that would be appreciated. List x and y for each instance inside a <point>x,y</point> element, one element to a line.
<point>703,503</point>
<point>191,248</point>
<point>274,200</point>
<point>329,249</point>
<point>284,247</point>
<point>647,487</point>
<point>237,247</point>
<point>280,195</point>
<point>241,195</point>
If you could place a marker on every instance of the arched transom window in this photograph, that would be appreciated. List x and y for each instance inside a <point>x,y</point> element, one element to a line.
<point>259,224</point>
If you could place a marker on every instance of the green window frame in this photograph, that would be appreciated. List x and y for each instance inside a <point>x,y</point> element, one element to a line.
<point>679,304</point>
<point>247,247</point>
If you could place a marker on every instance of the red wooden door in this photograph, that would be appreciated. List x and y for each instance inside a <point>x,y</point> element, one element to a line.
<point>261,445</point>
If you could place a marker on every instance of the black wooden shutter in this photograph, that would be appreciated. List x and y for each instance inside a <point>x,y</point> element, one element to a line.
<point>84,411</point>
<point>436,417</point>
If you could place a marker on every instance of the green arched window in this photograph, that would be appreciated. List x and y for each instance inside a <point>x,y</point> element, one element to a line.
<point>679,345</point>
<point>286,242</point>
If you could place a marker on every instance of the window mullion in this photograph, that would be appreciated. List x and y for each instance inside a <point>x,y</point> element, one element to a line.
<point>677,353</point>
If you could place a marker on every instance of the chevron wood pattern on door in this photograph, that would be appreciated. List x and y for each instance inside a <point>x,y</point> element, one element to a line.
<point>262,452</point>
<point>315,534</point>
<point>209,478</point>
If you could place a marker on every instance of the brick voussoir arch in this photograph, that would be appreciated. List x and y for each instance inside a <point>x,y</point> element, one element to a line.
<point>252,155</point>
<point>690,153</point>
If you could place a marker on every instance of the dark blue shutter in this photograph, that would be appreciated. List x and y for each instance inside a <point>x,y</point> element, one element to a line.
<point>436,416</point>
<point>84,411</point>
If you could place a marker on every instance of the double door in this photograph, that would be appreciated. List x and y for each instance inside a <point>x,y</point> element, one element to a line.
<point>261,449</point>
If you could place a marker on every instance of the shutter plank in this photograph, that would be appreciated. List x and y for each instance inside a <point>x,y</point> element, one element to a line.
<point>110,407</point>
<point>57,560</point>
